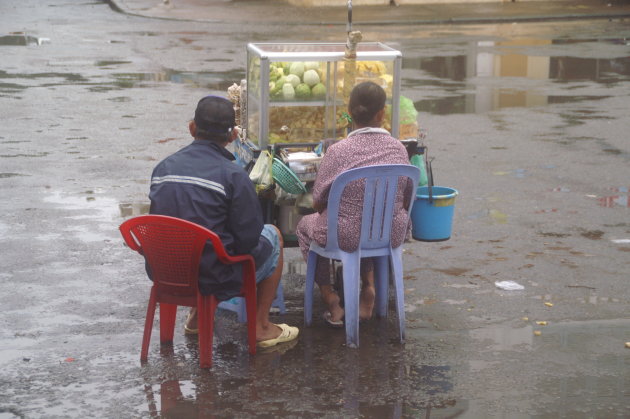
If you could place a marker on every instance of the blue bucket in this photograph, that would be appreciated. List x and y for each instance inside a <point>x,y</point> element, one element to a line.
<point>432,213</point>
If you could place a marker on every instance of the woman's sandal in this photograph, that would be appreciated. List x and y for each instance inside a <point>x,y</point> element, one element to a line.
<point>330,322</point>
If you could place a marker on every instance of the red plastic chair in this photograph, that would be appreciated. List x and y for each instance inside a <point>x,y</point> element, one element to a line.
<point>172,248</point>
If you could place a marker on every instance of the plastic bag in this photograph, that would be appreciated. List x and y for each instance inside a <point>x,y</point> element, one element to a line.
<point>408,112</point>
<point>261,172</point>
<point>418,160</point>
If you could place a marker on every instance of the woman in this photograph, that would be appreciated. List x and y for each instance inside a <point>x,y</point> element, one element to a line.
<point>367,145</point>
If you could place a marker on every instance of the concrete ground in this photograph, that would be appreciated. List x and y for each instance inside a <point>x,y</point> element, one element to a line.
<point>90,101</point>
<point>278,12</point>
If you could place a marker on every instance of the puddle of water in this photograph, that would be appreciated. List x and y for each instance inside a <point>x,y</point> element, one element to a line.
<point>487,63</point>
<point>8,175</point>
<point>502,338</point>
<point>40,154</point>
<point>381,380</point>
<point>68,79</point>
<point>129,209</point>
<point>106,63</point>
<point>21,39</point>
<point>99,207</point>
<point>211,80</point>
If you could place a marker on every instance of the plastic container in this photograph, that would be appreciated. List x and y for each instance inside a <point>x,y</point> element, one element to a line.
<point>285,177</point>
<point>288,218</point>
<point>432,213</point>
<point>304,165</point>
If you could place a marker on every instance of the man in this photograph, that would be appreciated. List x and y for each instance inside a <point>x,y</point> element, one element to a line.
<point>201,183</point>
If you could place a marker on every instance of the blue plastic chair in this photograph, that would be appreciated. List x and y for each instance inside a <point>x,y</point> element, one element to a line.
<point>237,304</point>
<point>381,183</point>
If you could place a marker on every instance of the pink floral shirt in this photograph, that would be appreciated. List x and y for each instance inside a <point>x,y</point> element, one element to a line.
<point>364,147</point>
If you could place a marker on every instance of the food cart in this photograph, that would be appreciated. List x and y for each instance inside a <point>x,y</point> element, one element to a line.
<point>293,103</point>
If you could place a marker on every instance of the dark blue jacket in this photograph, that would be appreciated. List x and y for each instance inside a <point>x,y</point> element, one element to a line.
<point>202,184</point>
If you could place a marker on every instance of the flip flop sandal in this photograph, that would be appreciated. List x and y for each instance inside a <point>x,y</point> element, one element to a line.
<point>189,331</point>
<point>279,349</point>
<point>332,323</point>
<point>288,333</point>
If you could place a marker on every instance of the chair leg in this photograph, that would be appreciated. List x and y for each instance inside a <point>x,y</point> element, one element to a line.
<point>206,306</point>
<point>351,286</point>
<point>148,325</point>
<point>168,313</point>
<point>400,290</point>
<point>279,300</point>
<point>251,307</point>
<point>381,274</point>
<point>311,263</point>
<point>242,310</point>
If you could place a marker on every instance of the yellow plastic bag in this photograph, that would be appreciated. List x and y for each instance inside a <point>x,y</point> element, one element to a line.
<point>261,172</point>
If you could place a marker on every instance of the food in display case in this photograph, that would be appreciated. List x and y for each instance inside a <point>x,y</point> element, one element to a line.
<point>295,92</point>
<point>306,124</point>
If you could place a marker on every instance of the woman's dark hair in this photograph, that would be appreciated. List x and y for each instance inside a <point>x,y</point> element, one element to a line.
<point>366,100</point>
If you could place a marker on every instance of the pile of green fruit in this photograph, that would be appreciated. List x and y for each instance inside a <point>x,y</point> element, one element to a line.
<point>296,81</point>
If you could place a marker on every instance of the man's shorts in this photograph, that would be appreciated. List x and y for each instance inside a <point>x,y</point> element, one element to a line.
<point>270,233</point>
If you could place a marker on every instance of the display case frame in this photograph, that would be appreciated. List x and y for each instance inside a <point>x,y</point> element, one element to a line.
<point>258,101</point>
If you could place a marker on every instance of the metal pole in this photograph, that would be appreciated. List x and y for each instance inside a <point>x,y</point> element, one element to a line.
<point>349,24</point>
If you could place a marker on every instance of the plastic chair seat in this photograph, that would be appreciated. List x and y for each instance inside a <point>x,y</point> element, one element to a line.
<point>172,248</point>
<point>381,184</point>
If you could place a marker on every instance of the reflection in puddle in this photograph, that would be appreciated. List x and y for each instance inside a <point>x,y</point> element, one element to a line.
<point>8,175</point>
<point>598,389</point>
<point>502,338</point>
<point>614,201</point>
<point>487,63</point>
<point>318,377</point>
<point>39,154</point>
<point>21,39</point>
<point>210,80</point>
<point>106,63</point>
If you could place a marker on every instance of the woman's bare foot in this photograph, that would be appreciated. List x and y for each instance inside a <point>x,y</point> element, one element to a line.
<point>366,302</point>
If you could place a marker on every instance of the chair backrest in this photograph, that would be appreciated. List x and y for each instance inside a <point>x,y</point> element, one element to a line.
<point>172,248</point>
<point>381,184</point>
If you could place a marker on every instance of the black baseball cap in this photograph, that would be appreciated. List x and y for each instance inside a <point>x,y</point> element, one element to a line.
<point>215,114</point>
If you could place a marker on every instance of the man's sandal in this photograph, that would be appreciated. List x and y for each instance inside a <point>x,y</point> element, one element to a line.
<point>288,333</point>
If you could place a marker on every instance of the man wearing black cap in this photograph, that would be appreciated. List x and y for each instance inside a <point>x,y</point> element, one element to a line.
<point>200,183</point>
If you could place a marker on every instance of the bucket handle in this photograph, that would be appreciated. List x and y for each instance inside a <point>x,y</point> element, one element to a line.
<point>430,179</point>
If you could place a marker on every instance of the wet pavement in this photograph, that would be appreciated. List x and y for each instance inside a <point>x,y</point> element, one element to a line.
<point>528,121</point>
<point>279,13</point>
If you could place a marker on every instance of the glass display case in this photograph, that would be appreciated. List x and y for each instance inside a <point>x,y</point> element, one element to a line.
<point>295,91</point>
